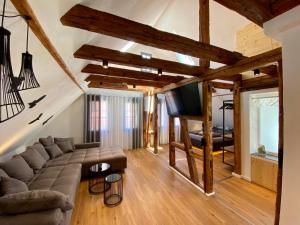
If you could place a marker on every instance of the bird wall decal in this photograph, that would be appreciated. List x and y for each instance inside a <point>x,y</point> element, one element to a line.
<point>36,119</point>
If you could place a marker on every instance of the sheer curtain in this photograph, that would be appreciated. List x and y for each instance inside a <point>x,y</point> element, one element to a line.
<point>120,121</point>
<point>164,123</point>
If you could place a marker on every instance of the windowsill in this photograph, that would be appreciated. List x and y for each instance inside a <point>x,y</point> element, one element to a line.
<point>265,156</point>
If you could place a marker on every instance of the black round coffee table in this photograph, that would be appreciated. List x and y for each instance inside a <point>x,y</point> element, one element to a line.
<point>113,194</point>
<point>97,173</point>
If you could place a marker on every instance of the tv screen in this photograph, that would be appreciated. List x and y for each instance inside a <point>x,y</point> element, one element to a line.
<point>185,100</point>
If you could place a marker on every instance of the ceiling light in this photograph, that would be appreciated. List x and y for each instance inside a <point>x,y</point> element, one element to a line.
<point>256,72</point>
<point>159,71</point>
<point>146,55</point>
<point>105,64</point>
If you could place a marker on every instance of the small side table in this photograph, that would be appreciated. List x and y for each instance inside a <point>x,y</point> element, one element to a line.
<point>97,173</point>
<point>113,194</point>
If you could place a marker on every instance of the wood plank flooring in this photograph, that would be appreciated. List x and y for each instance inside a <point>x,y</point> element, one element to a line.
<point>155,194</point>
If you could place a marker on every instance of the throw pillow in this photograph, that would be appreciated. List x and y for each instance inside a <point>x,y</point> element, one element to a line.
<point>40,148</point>
<point>54,151</point>
<point>47,141</point>
<point>18,168</point>
<point>32,201</point>
<point>11,185</point>
<point>34,159</point>
<point>65,144</point>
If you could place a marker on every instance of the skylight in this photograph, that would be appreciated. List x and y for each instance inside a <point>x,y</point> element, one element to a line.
<point>127,46</point>
<point>185,59</point>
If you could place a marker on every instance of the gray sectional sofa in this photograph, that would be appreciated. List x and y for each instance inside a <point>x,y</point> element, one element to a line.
<point>38,187</point>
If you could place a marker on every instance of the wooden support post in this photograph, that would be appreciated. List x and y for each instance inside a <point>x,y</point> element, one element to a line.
<point>204,28</point>
<point>155,127</point>
<point>237,127</point>
<point>171,140</point>
<point>144,123</point>
<point>188,146</point>
<point>280,144</point>
<point>207,133</point>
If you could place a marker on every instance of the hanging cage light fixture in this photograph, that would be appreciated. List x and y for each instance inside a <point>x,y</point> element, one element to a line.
<point>26,77</point>
<point>11,103</point>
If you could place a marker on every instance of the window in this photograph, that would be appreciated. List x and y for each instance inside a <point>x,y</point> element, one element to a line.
<point>104,115</point>
<point>94,115</point>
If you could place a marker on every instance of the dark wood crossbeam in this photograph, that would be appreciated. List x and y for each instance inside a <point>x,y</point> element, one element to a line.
<point>257,83</point>
<point>222,85</point>
<point>107,85</point>
<point>128,81</point>
<point>281,6</point>
<point>244,65</point>
<point>96,21</point>
<point>253,10</point>
<point>91,52</point>
<point>125,73</point>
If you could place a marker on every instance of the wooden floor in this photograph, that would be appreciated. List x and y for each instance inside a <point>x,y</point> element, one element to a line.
<point>155,194</point>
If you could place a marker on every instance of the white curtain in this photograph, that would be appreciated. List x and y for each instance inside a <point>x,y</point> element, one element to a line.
<point>121,121</point>
<point>164,123</point>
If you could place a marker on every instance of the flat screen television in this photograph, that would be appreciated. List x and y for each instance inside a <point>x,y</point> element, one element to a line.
<point>185,100</point>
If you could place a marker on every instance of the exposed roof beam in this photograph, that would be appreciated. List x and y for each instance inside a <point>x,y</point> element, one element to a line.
<point>204,33</point>
<point>222,85</point>
<point>91,52</point>
<point>125,73</point>
<point>257,83</point>
<point>281,6</point>
<point>253,10</point>
<point>24,8</point>
<point>244,65</point>
<point>107,85</point>
<point>128,81</point>
<point>96,21</point>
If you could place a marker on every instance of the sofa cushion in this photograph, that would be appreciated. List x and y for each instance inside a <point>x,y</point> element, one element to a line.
<point>41,149</point>
<point>64,179</point>
<point>34,159</point>
<point>54,151</point>
<point>11,185</point>
<point>65,144</point>
<point>3,174</point>
<point>33,201</point>
<point>47,217</point>
<point>47,141</point>
<point>18,168</point>
<point>88,157</point>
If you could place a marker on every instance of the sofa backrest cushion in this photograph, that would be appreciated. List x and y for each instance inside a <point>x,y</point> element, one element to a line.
<point>34,159</point>
<point>3,174</point>
<point>9,185</point>
<point>32,201</point>
<point>47,141</point>
<point>18,168</point>
<point>54,151</point>
<point>41,149</point>
<point>65,144</point>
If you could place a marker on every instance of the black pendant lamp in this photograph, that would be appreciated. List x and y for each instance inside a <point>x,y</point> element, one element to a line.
<point>11,103</point>
<point>26,77</point>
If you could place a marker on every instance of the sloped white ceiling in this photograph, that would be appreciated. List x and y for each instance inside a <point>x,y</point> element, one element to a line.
<point>177,16</point>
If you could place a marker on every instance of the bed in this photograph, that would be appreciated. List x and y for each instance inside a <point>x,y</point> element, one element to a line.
<point>197,138</point>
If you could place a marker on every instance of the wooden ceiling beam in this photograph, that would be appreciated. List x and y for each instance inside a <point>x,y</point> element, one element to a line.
<point>90,52</point>
<point>128,81</point>
<point>106,85</point>
<point>24,8</point>
<point>221,85</point>
<point>100,22</point>
<point>245,64</point>
<point>253,10</point>
<point>281,6</point>
<point>125,73</point>
<point>258,83</point>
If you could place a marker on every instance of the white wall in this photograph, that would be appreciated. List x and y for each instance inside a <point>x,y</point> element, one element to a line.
<point>247,129</point>
<point>286,28</point>
<point>70,123</point>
